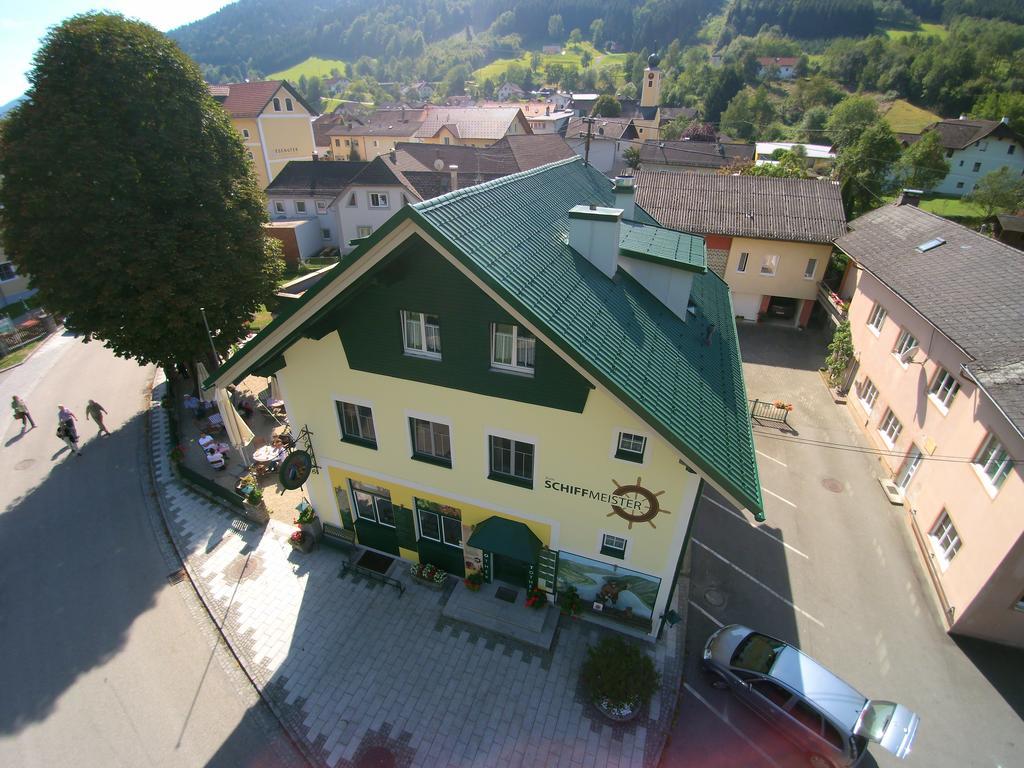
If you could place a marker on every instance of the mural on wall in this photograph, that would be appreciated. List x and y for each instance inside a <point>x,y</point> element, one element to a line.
<point>620,592</point>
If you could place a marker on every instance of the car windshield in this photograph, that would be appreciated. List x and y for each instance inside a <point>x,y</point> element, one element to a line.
<point>875,719</point>
<point>757,653</point>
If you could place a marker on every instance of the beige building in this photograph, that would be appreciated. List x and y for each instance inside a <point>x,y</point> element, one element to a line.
<point>769,239</point>
<point>937,386</point>
<point>274,121</point>
<point>378,134</point>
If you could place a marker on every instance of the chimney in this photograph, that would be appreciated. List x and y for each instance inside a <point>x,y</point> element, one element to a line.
<point>1004,120</point>
<point>594,235</point>
<point>393,156</point>
<point>909,197</point>
<point>454,171</point>
<point>403,114</point>
<point>624,197</point>
<point>315,158</point>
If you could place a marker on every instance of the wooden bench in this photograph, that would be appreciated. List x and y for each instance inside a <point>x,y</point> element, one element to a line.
<point>340,538</point>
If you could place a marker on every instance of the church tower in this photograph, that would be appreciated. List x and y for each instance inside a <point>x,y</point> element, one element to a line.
<point>651,95</point>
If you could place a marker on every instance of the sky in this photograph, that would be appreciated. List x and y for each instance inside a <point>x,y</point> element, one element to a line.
<point>24,22</point>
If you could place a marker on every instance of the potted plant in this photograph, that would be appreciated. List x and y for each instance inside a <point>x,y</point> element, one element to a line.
<point>252,503</point>
<point>308,521</point>
<point>536,598</point>
<point>619,678</point>
<point>474,581</point>
<point>428,574</point>
<point>570,602</point>
<point>301,541</point>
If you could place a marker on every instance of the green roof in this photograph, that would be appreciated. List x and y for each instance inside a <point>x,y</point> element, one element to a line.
<point>663,246</point>
<point>685,379</point>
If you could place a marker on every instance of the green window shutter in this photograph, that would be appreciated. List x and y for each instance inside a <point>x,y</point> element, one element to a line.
<point>547,567</point>
<point>406,528</point>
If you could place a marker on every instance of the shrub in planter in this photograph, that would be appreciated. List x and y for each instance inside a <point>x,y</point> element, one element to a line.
<point>618,677</point>
<point>570,602</point>
<point>536,598</point>
<point>474,580</point>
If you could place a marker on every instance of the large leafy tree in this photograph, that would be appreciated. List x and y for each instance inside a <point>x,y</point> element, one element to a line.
<point>864,167</point>
<point>1000,191</point>
<point>850,118</point>
<point>607,106</point>
<point>923,164</point>
<point>128,196</point>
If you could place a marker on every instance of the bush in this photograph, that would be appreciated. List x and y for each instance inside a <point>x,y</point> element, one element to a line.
<point>619,674</point>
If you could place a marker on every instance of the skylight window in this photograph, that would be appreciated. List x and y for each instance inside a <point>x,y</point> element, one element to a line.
<point>930,245</point>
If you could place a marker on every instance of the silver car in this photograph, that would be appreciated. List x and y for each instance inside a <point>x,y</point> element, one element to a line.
<point>823,715</point>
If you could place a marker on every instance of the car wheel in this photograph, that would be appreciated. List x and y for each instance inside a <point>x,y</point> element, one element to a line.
<point>817,761</point>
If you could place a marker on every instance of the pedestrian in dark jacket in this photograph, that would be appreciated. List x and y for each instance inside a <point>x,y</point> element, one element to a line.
<point>95,411</point>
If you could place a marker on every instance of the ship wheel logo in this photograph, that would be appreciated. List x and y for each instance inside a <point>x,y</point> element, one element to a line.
<point>644,511</point>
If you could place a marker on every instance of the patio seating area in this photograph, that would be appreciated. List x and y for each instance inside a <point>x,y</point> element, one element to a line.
<point>272,441</point>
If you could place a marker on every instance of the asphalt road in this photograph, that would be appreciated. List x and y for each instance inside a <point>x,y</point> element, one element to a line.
<point>103,661</point>
<point>832,570</point>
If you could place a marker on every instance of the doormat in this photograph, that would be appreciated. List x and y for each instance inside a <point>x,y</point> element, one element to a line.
<point>506,594</point>
<point>374,561</point>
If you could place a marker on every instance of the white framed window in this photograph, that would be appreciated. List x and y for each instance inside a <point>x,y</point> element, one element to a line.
<point>431,441</point>
<point>288,105</point>
<point>976,168</point>
<point>7,271</point>
<point>300,206</point>
<point>613,546</point>
<point>630,447</point>
<point>993,463</point>
<point>511,461</point>
<point>447,140</point>
<point>982,146</point>
<point>321,206</point>
<point>877,318</point>
<point>741,266</point>
<point>364,231</point>
<point>277,104</point>
<point>279,206</point>
<point>943,389</point>
<point>356,424</point>
<point>512,348</point>
<point>905,346</point>
<point>868,394</point>
<point>890,428</point>
<point>430,524</point>
<point>421,334</point>
<point>769,263</point>
<point>379,200</point>
<point>326,233</point>
<point>945,540</point>
<point>440,524</point>
<point>812,264</point>
<point>245,133</point>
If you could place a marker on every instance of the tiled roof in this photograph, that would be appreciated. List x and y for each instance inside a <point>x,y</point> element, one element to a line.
<point>321,128</point>
<point>315,177</point>
<point>959,134</point>
<point>604,128</point>
<point>782,61</point>
<point>469,122</point>
<point>675,249</point>
<point>969,288</point>
<point>513,234</point>
<point>415,156</point>
<point>671,113</point>
<point>685,379</point>
<point>530,152</point>
<point>705,154</point>
<point>800,210</point>
<point>428,184</point>
<point>250,99</point>
<point>1011,222</point>
<point>382,122</point>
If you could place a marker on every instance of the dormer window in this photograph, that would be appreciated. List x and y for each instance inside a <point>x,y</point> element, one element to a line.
<point>277,104</point>
<point>288,105</point>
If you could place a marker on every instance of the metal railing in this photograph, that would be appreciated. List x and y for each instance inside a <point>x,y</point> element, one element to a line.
<point>769,411</point>
<point>833,301</point>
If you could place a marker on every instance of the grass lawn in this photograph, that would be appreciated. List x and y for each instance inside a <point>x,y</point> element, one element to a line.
<point>904,117</point>
<point>951,207</point>
<point>936,30</point>
<point>311,66</point>
<point>19,355</point>
<point>497,67</point>
<point>261,319</point>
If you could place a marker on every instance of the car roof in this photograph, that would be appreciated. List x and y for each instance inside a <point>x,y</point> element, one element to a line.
<point>836,698</point>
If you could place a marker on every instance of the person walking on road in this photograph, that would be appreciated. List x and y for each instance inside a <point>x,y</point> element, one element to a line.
<point>21,412</point>
<point>66,429</point>
<point>95,412</point>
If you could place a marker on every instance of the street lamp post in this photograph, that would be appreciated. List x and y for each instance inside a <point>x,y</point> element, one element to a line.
<point>216,360</point>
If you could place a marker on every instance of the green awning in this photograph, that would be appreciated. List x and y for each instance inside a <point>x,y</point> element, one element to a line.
<point>507,538</point>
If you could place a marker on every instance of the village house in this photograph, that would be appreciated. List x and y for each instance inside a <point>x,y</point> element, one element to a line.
<point>464,410</point>
<point>784,67</point>
<point>937,384</point>
<point>274,121</point>
<point>818,158</point>
<point>610,137</point>
<point>975,148</point>
<point>14,287</point>
<point>769,239</point>
<point>693,156</point>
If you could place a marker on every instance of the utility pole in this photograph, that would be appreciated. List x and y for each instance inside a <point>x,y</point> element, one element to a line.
<point>586,147</point>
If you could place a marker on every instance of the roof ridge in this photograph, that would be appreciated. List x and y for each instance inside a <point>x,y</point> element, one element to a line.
<point>435,202</point>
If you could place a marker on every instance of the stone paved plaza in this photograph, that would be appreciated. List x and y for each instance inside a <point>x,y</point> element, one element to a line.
<point>352,667</point>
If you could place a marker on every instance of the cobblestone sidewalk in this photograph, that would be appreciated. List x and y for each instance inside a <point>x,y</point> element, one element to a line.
<point>361,675</point>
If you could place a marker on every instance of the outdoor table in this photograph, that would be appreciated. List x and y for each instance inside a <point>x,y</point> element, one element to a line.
<point>265,454</point>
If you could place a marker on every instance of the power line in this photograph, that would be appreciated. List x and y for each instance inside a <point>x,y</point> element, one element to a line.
<point>850,448</point>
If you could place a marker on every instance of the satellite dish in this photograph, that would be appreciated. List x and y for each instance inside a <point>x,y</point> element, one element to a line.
<point>439,164</point>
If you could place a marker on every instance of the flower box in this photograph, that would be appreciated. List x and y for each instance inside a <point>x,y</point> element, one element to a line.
<point>428,575</point>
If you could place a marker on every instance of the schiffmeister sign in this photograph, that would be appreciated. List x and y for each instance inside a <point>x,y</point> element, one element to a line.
<point>633,503</point>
